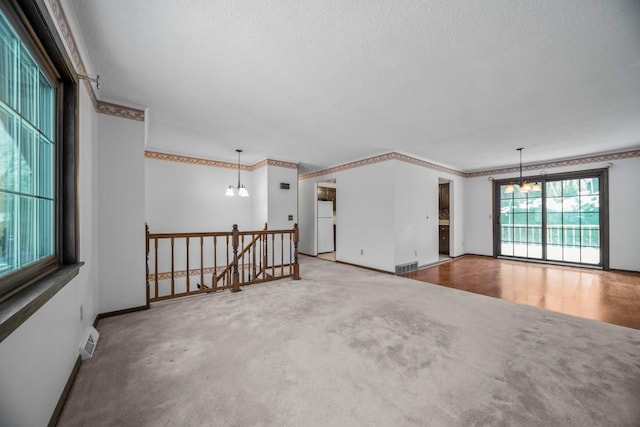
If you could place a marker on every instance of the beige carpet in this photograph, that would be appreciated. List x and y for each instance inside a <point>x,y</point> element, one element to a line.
<point>351,347</point>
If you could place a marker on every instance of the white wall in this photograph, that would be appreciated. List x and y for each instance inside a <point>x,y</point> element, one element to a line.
<point>416,213</point>
<point>624,215</point>
<point>307,199</point>
<point>282,203</point>
<point>121,204</point>
<point>259,194</point>
<point>624,205</point>
<point>183,197</point>
<point>364,215</point>
<point>382,210</point>
<point>43,350</point>
<point>457,216</point>
<point>478,216</point>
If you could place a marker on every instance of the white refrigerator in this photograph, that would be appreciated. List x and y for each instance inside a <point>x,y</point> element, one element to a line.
<point>325,227</point>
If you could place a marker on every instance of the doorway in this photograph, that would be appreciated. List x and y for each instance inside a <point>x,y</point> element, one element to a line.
<point>326,220</point>
<point>444,218</point>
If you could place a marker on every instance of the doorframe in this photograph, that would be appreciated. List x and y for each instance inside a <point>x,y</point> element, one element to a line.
<point>444,180</point>
<point>315,213</point>
<point>601,173</point>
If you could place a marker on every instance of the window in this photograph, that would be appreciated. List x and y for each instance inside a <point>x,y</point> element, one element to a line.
<point>38,172</point>
<point>27,154</point>
<point>564,221</point>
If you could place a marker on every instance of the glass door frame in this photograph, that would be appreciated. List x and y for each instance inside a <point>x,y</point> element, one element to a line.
<point>601,174</point>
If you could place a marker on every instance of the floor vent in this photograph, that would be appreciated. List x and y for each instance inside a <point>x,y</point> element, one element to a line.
<point>406,268</point>
<point>89,343</point>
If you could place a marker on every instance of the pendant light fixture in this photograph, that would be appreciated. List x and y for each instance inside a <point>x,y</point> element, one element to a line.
<point>240,189</point>
<point>524,186</point>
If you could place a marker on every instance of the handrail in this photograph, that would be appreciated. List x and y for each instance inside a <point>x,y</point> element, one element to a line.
<point>178,257</point>
<point>214,234</point>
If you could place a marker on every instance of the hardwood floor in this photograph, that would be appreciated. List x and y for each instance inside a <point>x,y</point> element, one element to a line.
<point>612,297</point>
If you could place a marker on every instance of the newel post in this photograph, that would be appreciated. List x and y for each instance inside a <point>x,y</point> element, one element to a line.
<point>296,266</point>
<point>146,232</point>
<point>236,275</point>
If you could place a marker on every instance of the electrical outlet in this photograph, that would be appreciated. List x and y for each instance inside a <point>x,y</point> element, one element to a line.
<point>415,253</point>
<point>361,251</point>
<point>81,312</point>
<point>290,217</point>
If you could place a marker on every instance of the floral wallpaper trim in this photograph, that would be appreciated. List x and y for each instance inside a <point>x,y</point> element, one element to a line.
<point>217,163</point>
<point>74,52</point>
<point>378,159</point>
<point>559,163</point>
<point>487,172</point>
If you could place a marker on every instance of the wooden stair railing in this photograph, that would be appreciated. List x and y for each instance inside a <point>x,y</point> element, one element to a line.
<point>249,245</point>
<point>254,262</point>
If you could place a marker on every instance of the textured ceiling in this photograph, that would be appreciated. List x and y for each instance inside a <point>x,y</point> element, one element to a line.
<point>323,82</point>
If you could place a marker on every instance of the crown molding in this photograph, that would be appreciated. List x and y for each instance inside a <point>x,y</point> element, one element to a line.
<point>595,158</point>
<point>120,111</point>
<point>572,161</point>
<point>382,158</point>
<point>276,163</point>
<point>100,106</point>
<point>217,163</point>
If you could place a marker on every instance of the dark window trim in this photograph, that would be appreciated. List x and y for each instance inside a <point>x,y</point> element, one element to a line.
<point>602,173</point>
<point>17,309</point>
<point>34,291</point>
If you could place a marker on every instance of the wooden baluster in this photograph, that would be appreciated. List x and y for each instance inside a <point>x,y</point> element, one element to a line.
<point>273,255</point>
<point>281,254</point>
<point>214,276</point>
<point>188,272</point>
<point>290,253</point>
<point>265,255</point>
<point>242,246</point>
<point>236,275</point>
<point>201,262</point>
<point>253,259</point>
<point>226,275</point>
<point>296,266</point>
<point>155,255</point>
<point>173,284</point>
<point>148,290</point>
<point>260,253</point>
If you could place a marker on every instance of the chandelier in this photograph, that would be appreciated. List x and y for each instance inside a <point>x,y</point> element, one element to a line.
<point>523,186</point>
<point>240,189</point>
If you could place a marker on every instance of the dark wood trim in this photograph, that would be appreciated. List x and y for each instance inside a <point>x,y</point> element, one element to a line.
<point>472,254</point>
<point>119,312</point>
<point>617,270</point>
<point>55,417</point>
<point>37,29</point>
<point>49,40</point>
<point>604,218</point>
<point>15,310</point>
<point>68,187</point>
<point>365,267</point>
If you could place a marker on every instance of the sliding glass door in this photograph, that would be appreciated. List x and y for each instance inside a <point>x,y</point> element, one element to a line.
<point>573,220</point>
<point>560,220</point>
<point>520,223</point>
